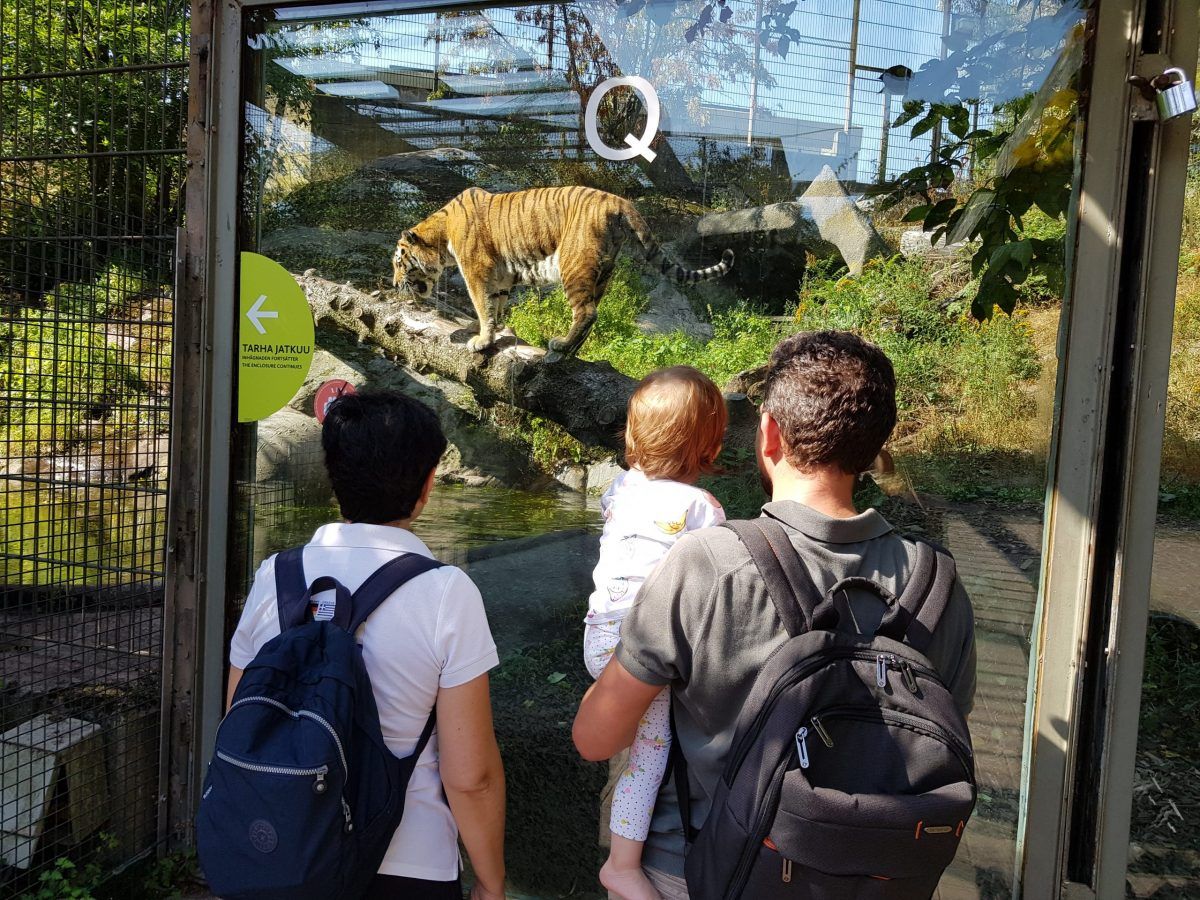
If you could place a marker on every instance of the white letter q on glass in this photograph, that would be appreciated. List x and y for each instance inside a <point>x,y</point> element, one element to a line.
<point>637,146</point>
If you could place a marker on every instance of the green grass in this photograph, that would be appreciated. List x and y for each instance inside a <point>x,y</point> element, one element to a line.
<point>962,377</point>
<point>742,338</point>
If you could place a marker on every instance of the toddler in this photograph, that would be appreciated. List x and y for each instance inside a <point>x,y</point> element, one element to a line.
<point>673,434</point>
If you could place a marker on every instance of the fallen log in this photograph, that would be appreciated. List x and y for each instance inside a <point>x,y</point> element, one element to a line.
<point>587,399</point>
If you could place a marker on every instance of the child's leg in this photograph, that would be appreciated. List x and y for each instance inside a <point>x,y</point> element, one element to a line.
<point>633,803</point>
<point>599,642</point>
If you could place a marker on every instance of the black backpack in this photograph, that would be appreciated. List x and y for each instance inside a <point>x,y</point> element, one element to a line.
<point>851,774</point>
<point>302,796</point>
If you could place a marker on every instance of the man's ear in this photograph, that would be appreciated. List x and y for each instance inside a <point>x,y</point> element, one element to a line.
<point>428,489</point>
<point>771,442</point>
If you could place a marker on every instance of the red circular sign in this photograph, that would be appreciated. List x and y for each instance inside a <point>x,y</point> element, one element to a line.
<point>327,393</point>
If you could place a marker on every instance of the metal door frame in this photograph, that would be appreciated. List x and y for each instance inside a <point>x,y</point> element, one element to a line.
<point>1114,325</point>
<point>200,478</point>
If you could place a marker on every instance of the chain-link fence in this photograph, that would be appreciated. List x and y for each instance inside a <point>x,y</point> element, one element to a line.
<point>92,105</point>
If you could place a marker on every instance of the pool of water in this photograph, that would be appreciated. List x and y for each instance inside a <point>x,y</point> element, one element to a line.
<point>457,519</point>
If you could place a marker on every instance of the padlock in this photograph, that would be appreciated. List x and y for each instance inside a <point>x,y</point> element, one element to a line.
<point>1177,99</point>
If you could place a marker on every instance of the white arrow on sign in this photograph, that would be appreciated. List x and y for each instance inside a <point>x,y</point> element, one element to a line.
<point>256,313</point>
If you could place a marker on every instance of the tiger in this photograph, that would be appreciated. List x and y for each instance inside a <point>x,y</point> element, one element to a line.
<point>542,236</point>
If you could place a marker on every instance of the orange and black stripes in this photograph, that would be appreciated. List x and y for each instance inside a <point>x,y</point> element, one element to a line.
<point>567,235</point>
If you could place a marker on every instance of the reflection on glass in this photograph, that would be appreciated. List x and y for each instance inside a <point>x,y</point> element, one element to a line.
<point>897,167</point>
<point>1164,848</point>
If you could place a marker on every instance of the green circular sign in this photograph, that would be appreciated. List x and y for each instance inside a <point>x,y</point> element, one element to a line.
<point>275,338</point>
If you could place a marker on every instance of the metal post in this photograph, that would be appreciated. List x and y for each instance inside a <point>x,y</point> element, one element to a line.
<point>886,129</point>
<point>758,10</point>
<point>1081,716</point>
<point>855,16</point>
<point>202,415</point>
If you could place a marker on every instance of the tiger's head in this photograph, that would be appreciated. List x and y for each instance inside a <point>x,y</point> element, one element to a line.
<point>416,265</point>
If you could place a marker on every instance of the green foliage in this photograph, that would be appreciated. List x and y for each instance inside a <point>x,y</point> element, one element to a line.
<point>46,358</point>
<point>739,180</point>
<point>741,338</point>
<point>1029,152</point>
<point>964,379</point>
<point>550,444</point>
<point>65,880</point>
<point>737,484</point>
<point>1181,445</point>
<point>111,290</point>
<point>337,200</point>
<point>109,114</point>
<point>167,878</point>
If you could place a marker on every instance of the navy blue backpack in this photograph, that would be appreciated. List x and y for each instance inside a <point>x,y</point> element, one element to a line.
<point>302,796</point>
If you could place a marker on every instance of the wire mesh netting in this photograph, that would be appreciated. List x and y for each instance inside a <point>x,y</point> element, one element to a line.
<point>92,106</point>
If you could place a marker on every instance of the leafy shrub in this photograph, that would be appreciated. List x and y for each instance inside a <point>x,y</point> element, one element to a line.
<point>107,295</point>
<point>56,372</point>
<point>959,382</point>
<point>741,338</point>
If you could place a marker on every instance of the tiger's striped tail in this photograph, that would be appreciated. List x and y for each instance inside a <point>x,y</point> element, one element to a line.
<point>655,255</point>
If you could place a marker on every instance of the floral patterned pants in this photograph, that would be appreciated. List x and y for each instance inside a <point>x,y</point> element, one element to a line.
<point>636,791</point>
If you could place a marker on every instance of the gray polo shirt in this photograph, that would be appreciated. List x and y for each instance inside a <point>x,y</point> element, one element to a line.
<point>704,625</point>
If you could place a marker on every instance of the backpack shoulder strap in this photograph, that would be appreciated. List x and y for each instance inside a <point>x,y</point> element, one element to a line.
<point>381,584</point>
<point>291,588</point>
<point>800,605</point>
<point>924,598</point>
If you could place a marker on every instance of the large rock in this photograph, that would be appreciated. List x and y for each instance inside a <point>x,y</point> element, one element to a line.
<point>771,241</point>
<point>289,453</point>
<point>915,242</point>
<point>769,245</point>
<point>841,223</point>
<point>290,440</point>
<point>669,311</point>
<point>363,258</point>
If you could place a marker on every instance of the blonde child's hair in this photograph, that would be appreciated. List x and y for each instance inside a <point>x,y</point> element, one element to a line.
<point>675,425</point>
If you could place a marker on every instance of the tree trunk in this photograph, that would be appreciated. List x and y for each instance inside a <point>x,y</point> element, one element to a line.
<point>587,399</point>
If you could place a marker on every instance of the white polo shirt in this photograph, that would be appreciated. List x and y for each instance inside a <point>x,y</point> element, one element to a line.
<point>431,633</point>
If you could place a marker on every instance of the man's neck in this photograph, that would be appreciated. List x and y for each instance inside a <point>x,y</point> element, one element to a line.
<point>827,491</point>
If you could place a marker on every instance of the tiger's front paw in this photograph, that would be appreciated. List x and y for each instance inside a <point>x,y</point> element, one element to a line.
<point>479,343</point>
<point>559,345</point>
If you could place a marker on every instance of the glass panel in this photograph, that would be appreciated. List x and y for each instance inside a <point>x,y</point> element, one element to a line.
<point>823,142</point>
<point>1164,844</point>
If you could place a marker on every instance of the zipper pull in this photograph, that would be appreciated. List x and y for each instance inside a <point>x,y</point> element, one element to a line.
<point>787,871</point>
<point>910,679</point>
<point>319,786</point>
<point>349,825</point>
<point>822,732</point>
<point>802,746</point>
<point>881,667</point>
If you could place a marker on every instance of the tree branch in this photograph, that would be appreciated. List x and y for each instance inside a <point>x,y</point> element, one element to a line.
<point>587,399</point>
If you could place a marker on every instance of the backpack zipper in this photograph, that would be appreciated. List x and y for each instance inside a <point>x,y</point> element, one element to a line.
<point>932,729</point>
<point>762,825</point>
<point>776,784</point>
<point>798,674</point>
<point>319,786</point>
<point>802,746</point>
<point>348,823</point>
<point>298,714</point>
<point>821,731</point>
